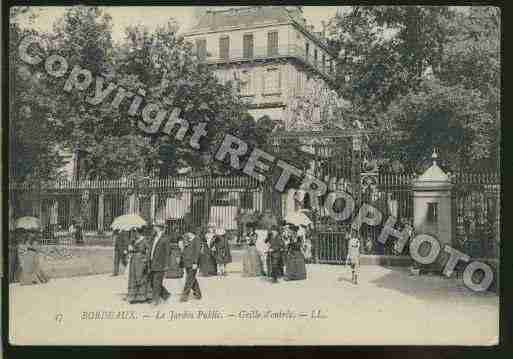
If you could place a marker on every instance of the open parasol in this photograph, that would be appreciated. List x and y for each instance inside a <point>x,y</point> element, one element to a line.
<point>299,218</point>
<point>128,222</point>
<point>28,223</point>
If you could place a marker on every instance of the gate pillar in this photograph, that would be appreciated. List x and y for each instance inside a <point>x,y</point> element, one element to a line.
<point>432,205</point>
<point>101,212</point>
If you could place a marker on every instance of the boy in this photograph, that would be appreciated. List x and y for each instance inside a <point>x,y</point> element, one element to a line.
<point>353,254</point>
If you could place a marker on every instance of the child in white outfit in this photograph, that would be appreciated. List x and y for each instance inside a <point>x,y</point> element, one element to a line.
<point>353,254</point>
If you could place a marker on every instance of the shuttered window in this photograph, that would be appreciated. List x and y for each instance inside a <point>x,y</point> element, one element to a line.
<point>315,57</point>
<point>248,46</point>
<point>224,47</point>
<point>201,49</point>
<point>272,81</point>
<point>307,50</point>
<point>246,86</point>
<point>272,43</point>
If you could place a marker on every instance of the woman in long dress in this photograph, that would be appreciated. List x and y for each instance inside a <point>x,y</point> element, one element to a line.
<point>295,267</point>
<point>207,261</point>
<point>221,250</point>
<point>14,257</point>
<point>251,262</point>
<point>306,247</point>
<point>31,271</point>
<point>174,271</point>
<point>139,285</point>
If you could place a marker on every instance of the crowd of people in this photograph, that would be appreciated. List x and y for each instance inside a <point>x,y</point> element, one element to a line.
<point>153,252</point>
<point>284,253</point>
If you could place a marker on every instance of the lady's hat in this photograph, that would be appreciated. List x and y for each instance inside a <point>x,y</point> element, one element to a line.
<point>188,237</point>
<point>220,231</point>
<point>211,225</point>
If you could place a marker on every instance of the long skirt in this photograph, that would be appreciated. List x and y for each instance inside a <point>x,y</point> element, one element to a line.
<point>174,271</point>
<point>223,253</point>
<point>251,263</point>
<point>31,272</point>
<point>139,284</point>
<point>207,264</point>
<point>14,265</point>
<point>273,264</point>
<point>295,266</point>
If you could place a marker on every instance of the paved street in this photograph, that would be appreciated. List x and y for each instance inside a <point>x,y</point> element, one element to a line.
<point>387,307</point>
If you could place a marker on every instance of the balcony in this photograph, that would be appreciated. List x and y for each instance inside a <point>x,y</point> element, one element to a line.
<point>290,51</point>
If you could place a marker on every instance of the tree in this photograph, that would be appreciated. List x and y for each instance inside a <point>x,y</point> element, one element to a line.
<point>162,68</point>
<point>471,59</point>
<point>33,146</point>
<point>451,119</point>
<point>395,57</point>
<point>185,83</point>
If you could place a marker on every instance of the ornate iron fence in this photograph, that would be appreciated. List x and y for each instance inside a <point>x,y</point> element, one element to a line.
<point>476,214</point>
<point>188,202</point>
<point>390,193</point>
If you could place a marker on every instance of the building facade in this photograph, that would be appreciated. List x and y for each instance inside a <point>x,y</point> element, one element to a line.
<point>268,51</point>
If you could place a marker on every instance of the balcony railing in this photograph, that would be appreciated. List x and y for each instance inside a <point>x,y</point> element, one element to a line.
<point>262,53</point>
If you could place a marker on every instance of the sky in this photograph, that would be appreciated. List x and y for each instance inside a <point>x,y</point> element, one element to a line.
<point>152,16</point>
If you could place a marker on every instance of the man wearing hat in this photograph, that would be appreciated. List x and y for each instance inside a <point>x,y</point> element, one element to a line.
<point>121,241</point>
<point>190,258</point>
<point>159,263</point>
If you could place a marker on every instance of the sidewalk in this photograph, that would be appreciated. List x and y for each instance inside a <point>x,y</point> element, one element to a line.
<point>387,307</point>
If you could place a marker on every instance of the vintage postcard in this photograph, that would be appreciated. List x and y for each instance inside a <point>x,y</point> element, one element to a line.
<point>254,175</point>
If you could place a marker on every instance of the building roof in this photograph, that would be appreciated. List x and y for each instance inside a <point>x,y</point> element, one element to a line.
<point>239,17</point>
<point>242,16</point>
<point>253,16</point>
<point>434,174</point>
<point>433,179</point>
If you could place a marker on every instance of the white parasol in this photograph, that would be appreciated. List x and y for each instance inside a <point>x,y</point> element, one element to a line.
<point>128,222</point>
<point>28,223</point>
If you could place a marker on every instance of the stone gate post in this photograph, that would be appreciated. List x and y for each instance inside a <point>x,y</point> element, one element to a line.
<point>432,211</point>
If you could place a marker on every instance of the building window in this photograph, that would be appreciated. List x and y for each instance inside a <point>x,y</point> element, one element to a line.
<point>315,57</point>
<point>271,81</point>
<point>323,62</point>
<point>201,49</point>
<point>272,43</point>
<point>246,83</point>
<point>307,50</point>
<point>299,85</point>
<point>432,214</point>
<point>331,66</point>
<point>224,47</point>
<point>248,46</point>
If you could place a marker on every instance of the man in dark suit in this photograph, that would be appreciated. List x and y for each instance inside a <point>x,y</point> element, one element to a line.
<point>159,263</point>
<point>120,250</point>
<point>190,259</point>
